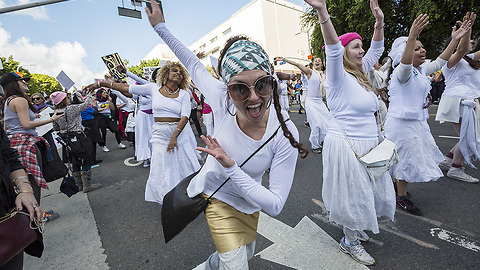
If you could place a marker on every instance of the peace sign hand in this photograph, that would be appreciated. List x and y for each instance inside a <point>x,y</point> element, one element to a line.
<point>214,149</point>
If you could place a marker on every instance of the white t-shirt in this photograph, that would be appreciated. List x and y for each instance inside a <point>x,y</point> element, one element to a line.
<point>352,105</point>
<point>462,81</point>
<point>163,106</point>
<point>127,108</point>
<point>244,190</point>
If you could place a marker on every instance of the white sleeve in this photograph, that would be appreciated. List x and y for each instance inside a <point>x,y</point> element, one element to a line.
<point>404,72</point>
<point>213,90</point>
<point>273,198</point>
<point>121,99</point>
<point>434,65</point>
<point>186,105</point>
<point>373,54</point>
<point>387,65</point>
<point>334,64</point>
<point>143,90</point>
<point>136,78</point>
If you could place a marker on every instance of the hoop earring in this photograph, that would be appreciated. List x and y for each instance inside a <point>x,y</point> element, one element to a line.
<point>228,106</point>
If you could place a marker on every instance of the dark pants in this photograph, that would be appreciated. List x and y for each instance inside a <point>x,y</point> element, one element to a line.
<point>104,122</point>
<point>194,118</point>
<point>437,90</point>
<point>16,263</point>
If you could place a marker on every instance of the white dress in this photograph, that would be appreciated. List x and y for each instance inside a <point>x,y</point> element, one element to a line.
<point>318,115</point>
<point>407,126</point>
<point>347,191</point>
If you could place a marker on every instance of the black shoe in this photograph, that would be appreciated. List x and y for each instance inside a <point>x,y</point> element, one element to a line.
<point>406,205</point>
<point>306,124</point>
<point>299,112</point>
<point>97,161</point>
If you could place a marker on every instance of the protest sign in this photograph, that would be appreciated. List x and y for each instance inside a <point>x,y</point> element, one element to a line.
<point>111,61</point>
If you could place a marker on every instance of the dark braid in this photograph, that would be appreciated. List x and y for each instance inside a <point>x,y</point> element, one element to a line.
<point>302,151</point>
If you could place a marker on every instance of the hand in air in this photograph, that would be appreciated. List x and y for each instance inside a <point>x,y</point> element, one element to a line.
<point>418,24</point>
<point>316,4</point>
<point>214,149</point>
<point>156,16</point>
<point>376,11</point>
<point>465,26</point>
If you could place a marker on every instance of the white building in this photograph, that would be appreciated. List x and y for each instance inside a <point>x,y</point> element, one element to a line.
<point>274,24</point>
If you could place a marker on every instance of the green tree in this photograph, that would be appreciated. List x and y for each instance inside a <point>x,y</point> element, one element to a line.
<point>355,16</point>
<point>138,69</point>
<point>10,65</point>
<point>40,83</point>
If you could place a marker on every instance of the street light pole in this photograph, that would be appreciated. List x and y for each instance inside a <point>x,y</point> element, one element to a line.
<point>29,5</point>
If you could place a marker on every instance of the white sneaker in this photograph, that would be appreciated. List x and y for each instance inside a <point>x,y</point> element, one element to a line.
<point>446,164</point>
<point>105,149</point>
<point>317,150</point>
<point>146,163</point>
<point>357,252</point>
<point>459,174</point>
<point>121,146</point>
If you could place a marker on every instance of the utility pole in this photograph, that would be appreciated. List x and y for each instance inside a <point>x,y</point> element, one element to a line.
<point>29,5</point>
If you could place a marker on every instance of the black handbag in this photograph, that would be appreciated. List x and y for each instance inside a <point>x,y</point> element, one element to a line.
<point>68,186</point>
<point>179,210</point>
<point>54,169</point>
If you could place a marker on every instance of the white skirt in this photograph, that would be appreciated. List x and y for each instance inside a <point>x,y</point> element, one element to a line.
<point>419,154</point>
<point>347,191</point>
<point>143,134</point>
<point>166,169</point>
<point>449,110</point>
<point>318,117</point>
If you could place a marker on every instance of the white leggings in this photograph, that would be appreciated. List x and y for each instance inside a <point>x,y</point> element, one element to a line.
<point>234,259</point>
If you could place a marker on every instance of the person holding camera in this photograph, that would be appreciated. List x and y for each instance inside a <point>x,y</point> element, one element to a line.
<point>72,132</point>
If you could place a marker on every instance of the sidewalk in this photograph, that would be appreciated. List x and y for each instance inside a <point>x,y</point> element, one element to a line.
<point>71,241</point>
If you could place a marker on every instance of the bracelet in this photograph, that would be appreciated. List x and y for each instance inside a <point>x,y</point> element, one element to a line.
<point>326,20</point>
<point>178,129</point>
<point>380,27</point>
<point>111,83</point>
<point>25,191</point>
<point>284,59</point>
<point>19,177</point>
<point>24,182</point>
<point>98,84</point>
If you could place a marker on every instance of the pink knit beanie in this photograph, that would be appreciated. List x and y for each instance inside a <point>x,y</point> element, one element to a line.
<point>57,97</point>
<point>346,38</point>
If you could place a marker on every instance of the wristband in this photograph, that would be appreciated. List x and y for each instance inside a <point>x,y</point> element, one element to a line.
<point>326,20</point>
<point>25,191</point>
<point>19,177</point>
<point>380,27</point>
<point>98,84</point>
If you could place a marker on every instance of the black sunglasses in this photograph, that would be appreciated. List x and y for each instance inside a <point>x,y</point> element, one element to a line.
<point>36,98</point>
<point>263,87</point>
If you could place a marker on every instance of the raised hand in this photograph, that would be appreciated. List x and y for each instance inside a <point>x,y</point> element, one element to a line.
<point>376,11</point>
<point>317,4</point>
<point>462,30</point>
<point>418,25</point>
<point>214,149</point>
<point>156,16</point>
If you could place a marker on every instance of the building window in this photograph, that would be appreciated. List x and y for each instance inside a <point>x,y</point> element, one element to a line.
<point>213,39</point>
<point>215,51</point>
<point>227,31</point>
<point>203,46</point>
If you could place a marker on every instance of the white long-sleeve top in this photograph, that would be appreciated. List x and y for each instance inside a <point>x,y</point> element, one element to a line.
<point>409,88</point>
<point>352,104</point>
<point>144,103</point>
<point>244,190</point>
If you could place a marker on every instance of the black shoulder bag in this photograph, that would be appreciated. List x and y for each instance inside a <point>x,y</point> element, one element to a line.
<point>179,210</point>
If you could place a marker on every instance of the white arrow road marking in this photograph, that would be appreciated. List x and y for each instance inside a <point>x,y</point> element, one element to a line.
<point>453,238</point>
<point>304,247</point>
<point>129,164</point>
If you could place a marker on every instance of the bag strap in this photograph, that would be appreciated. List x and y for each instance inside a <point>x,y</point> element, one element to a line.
<point>256,151</point>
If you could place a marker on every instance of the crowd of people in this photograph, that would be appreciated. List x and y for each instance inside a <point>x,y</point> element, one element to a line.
<point>352,103</point>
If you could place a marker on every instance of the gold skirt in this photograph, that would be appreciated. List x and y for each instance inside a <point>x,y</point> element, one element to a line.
<point>229,227</point>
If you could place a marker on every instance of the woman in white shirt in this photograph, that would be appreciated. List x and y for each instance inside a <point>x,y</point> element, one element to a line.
<point>173,155</point>
<point>243,120</point>
<point>315,108</point>
<point>406,123</point>
<point>347,192</point>
<point>462,79</point>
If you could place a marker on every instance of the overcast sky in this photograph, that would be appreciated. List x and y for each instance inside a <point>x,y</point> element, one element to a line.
<point>73,35</point>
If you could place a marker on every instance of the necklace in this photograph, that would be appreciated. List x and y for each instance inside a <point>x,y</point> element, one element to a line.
<point>172,92</point>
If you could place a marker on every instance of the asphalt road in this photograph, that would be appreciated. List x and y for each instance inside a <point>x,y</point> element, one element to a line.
<point>446,237</point>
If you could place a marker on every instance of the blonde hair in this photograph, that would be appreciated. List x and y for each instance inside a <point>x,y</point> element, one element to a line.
<point>162,76</point>
<point>357,72</point>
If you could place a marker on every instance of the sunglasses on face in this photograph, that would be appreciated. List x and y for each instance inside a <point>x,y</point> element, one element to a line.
<point>36,98</point>
<point>241,92</point>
